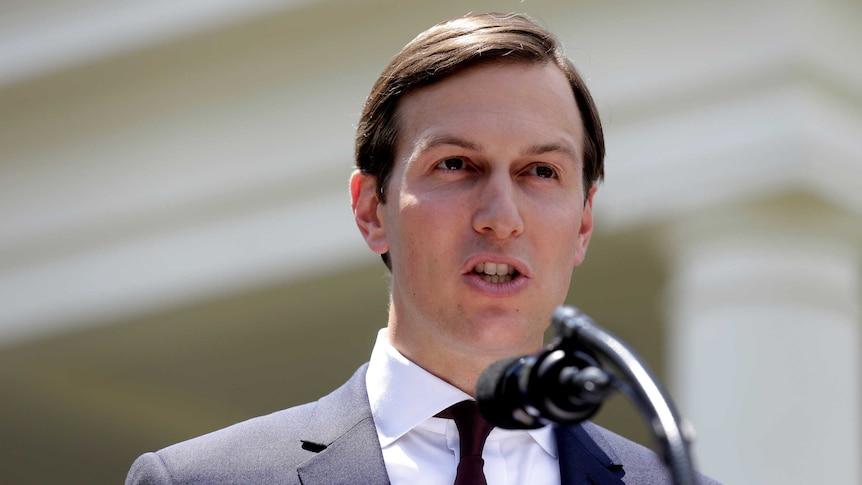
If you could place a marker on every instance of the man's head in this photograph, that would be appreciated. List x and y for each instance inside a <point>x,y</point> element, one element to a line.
<point>451,47</point>
<point>479,153</point>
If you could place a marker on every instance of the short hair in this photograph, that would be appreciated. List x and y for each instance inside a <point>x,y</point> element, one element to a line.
<point>448,48</point>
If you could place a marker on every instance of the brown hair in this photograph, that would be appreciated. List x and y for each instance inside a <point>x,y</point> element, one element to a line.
<point>448,48</point>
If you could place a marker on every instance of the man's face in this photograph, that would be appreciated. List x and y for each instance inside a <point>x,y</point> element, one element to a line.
<point>485,215</point>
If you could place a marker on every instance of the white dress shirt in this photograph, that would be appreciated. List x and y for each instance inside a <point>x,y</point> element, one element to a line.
<point>420,449</point>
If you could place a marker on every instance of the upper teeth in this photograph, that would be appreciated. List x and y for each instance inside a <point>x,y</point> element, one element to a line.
<point>495,269</point>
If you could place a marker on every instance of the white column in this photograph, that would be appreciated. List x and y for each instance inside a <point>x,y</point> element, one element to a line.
<point>765,347</point>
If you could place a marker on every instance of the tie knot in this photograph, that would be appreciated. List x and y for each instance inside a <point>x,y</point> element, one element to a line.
<point>473,429</point>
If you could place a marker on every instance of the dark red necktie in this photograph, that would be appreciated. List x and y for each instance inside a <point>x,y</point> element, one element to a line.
<point>472,430</point>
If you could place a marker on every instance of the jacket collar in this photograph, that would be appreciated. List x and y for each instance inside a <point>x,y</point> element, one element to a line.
<point>344,439</point>
<point>586,458</point>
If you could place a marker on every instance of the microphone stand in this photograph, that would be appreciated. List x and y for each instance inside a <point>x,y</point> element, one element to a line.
<point>575,330</point>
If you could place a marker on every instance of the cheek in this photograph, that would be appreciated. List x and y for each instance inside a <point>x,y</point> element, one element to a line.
<point>424,229</point>
<point>432,236</point>
<point>559,239</point>
<point>411,226</point>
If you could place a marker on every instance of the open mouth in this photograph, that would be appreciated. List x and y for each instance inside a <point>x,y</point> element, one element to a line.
<point>495,272</point>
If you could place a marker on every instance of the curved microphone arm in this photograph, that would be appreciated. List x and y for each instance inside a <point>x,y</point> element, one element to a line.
<point>576,330</point>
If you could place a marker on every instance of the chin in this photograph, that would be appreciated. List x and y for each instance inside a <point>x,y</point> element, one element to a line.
<point>505,337</point>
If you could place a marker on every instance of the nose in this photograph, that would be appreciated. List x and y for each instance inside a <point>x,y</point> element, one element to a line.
<point>498,213</point>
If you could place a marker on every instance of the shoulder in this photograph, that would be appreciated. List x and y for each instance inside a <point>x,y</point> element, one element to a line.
<point>232,454</point>
<point>632,455</point>
<point>640,464</point>
<point>265,449</point>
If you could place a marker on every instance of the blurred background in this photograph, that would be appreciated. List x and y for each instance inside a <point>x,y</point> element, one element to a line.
<point>177,251</point>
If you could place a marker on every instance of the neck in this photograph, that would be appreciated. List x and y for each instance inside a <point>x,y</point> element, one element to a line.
<point>461,372</point>
<point>460,369</point>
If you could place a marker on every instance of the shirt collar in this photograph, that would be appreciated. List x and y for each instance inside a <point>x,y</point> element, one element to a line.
<point>402,395</point>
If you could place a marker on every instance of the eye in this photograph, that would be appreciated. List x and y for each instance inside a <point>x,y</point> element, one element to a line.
<point>543,171</point>
<point>452,163</point>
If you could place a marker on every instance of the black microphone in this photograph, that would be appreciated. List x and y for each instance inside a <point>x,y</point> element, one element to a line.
<point>555,385</point>
<point>565,384</point>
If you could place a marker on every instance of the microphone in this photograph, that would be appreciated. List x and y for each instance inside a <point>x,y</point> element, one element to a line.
<point>564,384</point>
<point>555,385</point>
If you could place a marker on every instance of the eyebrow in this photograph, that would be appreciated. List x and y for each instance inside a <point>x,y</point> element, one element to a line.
<point>436,141</point>
<point>538,149</point>
<point>551,148</point>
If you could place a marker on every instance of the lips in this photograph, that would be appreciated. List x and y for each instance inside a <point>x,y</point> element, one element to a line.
<point>496,275</point>
<point>494,272</point>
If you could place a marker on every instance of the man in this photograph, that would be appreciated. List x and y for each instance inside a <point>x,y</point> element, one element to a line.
<point>479,152</point>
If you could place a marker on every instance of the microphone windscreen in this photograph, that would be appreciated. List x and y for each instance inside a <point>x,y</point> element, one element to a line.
<point>499,398</point>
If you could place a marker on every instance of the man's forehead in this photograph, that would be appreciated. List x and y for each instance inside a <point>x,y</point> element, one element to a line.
<point>496,87</point>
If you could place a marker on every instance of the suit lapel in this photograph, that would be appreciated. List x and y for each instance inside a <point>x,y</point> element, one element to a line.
<point>586,458</point>
<point>344,439</point>
<point>349,460</point>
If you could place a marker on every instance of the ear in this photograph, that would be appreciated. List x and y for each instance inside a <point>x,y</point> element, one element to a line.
<point>367,211</point>
<point>586,229</point>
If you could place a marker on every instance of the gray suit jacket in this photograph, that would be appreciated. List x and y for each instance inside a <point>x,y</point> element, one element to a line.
<point>334,441</point>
